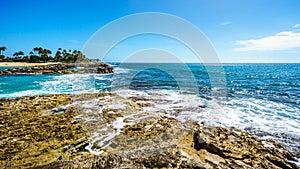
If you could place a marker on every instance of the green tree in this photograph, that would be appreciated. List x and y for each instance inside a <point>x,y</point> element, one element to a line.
<point>69,58</point>
<point>64,55</point>
<point>58,56</point>
<point>80,57</point>
<point>2,49</point>
<point>25,58</point>
<point>21,53</point>
<point>18,54</point>
<point>44,54</point>
<point>36,50</point>
<point>33,58</point>
<point>40,51</point>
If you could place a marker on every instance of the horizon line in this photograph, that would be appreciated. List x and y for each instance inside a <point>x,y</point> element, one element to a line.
<point>211,62</point>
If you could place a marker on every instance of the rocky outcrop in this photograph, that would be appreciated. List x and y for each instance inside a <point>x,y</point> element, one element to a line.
<point>239,149</point>
<point>47,69</point>
<point>50,132</point>
<point>202,147</point>
<point>32,135</point>
<point>100,68</point>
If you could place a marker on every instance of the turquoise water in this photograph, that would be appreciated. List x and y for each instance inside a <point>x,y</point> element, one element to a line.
<point>8,67</point>
<point>263,99</point>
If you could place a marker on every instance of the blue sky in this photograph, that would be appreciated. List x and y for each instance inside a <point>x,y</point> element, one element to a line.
<point>241,31</point>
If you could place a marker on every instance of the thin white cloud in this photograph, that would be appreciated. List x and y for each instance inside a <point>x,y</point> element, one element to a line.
<point>225,23</point>
<point>296,26</point>
<point>280,41</point>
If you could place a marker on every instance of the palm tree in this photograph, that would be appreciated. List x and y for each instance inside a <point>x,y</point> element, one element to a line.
<point>36,49</point>
<point>17,54</point>
<point>2,49</point>
<point>80,56</point>
<point>33,58</point>
<point>57,57</point>
<point>75,52</point>
<point>44,54</point>
<point>25,58</point>
<point>69,57</point>
<point>64,55</point>
<point>40,51</point>
<point>21,53</point>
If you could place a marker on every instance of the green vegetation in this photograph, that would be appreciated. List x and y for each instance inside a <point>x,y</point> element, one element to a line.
<point>2,49</point>
<point>39,55</point>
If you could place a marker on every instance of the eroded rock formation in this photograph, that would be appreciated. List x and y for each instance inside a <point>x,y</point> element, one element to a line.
<point>55,131</point>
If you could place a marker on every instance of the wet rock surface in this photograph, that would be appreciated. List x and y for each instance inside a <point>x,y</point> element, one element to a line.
<point>67,131</point>
<point>61,68</point>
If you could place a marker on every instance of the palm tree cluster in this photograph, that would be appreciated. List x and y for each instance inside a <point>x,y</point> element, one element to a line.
<point>63,55</point>
<point>39,54</point>
<point>2,49</point>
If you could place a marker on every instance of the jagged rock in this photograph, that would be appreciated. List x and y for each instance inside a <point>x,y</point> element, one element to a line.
<point>30,136</point>
<point>65,72</point>
<point>47,72</point>
<point>198,149</point>
<point>100,68</point>
<point>7,72</point>
<point>202,147</point>
<point>110,115</point>
<point>38,131</point>
<point>242,149</point>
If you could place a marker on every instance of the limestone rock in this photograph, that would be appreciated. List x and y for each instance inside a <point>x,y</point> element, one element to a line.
<point>42,132</point>
<point>206,147</point>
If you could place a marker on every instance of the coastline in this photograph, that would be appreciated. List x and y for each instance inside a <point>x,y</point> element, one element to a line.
<point>56,130</point>
<point>56,68</point>
<point>51,137</point>
<point>2,64</point>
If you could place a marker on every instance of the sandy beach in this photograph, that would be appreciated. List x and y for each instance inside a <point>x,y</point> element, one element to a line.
<point>25,64</point>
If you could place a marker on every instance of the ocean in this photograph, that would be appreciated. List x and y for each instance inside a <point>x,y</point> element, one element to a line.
<point>263,99</point>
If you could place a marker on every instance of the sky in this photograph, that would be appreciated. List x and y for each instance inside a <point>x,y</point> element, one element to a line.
<point>249,31</point>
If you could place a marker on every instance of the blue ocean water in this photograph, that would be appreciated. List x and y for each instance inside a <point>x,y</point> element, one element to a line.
<point>263,99</point>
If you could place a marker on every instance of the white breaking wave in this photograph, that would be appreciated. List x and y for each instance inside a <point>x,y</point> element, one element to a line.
<point>26,93</point>
<point>262,115</point>
<point>73,83</point>
<point>119,70</point>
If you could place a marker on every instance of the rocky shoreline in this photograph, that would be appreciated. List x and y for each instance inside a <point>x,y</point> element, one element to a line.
<point>61,68</point>
<point>56,131</point>
<point>203,147</point>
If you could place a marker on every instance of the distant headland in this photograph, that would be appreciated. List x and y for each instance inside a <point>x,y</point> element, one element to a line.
<point>39,61</point>
<point>42,55</point>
